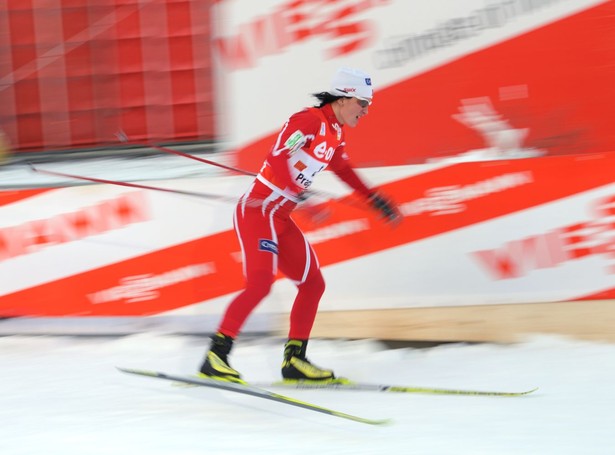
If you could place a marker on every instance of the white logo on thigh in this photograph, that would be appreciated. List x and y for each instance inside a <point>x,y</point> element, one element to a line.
<point>268,245</point>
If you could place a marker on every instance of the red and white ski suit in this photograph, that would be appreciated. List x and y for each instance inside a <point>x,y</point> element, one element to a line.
<point>310,141</point>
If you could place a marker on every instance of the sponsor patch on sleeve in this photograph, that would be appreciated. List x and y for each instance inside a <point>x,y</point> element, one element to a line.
<point>295,141</point>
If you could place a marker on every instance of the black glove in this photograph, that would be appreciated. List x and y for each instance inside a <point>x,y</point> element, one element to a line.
<point>387,208</point>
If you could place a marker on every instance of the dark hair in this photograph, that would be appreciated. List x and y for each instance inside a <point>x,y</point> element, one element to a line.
<point>325,98</point>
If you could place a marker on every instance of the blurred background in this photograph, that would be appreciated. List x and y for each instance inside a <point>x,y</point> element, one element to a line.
<point>491,127</point>
<point>94,74</point>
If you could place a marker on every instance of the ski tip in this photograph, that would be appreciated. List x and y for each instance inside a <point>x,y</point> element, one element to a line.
<point>375,422</point>
<point>125,370</point>
<point>512,394</point>
<point>381,422</point>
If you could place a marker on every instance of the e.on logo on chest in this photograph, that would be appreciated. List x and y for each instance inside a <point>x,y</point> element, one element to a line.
<point>322,152</point>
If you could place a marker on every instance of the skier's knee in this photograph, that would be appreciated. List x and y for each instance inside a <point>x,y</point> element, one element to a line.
<point>315,283</point>
<point>259,285</point>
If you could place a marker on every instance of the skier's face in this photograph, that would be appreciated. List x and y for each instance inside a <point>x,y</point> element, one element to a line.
<point>350,110</point>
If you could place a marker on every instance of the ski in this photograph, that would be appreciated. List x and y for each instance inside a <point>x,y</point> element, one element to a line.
<point>359,386</point>
<point>251,390</point>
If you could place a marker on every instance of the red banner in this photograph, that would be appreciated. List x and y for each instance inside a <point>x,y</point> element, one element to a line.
<point>101,72</point>
<point>549,91</point>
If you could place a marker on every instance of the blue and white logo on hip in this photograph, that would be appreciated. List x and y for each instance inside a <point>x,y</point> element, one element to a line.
<point>268,245</point>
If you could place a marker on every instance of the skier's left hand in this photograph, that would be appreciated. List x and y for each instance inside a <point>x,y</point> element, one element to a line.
<point>387,208</point>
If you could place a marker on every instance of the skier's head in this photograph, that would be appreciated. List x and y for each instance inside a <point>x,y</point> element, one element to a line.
<point>350,95</point>
<point>352,83</point>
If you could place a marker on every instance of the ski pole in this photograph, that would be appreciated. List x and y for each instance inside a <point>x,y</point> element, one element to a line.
<point>318,193</point>
<point>202,160</point>
<point>134,185</point>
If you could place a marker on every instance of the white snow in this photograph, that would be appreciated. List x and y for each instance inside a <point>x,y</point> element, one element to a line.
<point>63,395</point>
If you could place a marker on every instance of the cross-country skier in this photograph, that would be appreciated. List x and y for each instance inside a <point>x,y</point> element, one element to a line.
<point>310,141</point>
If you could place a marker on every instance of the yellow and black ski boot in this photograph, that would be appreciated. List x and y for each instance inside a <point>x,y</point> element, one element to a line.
<point>216,364</point>
<point>297,368</point>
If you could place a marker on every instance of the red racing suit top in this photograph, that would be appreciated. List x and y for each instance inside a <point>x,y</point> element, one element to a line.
<point>310,141</point>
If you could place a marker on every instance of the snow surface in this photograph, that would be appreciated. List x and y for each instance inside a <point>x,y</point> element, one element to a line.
<point>63,395</point>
